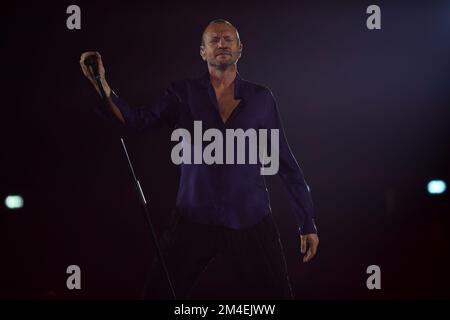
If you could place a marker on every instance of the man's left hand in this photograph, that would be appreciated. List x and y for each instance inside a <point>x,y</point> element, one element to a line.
<point>310,242</point>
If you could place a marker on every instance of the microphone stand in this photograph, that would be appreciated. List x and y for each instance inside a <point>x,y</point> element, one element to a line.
<point>137,186</point>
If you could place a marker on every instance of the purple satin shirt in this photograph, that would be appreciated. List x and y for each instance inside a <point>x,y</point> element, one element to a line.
<point>229,195</point>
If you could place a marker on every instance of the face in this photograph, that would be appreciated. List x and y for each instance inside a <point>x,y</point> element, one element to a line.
<point>221,47</point>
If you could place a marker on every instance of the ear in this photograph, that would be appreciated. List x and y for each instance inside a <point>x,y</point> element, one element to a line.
<point>202,53</point>
<point>240,48</point>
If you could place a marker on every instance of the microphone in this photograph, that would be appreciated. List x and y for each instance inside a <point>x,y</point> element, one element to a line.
<point>91,61</point>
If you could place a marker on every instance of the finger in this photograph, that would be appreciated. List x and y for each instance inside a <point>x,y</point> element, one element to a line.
<point>309,255</point>
<point>84,69</point>
<point>311,251</point>
<point>83,66</point>
<point>302,244</point>
<point>99,60</point>
<point>82,59</point>
<point>86,54</point>
<point>88,73</point>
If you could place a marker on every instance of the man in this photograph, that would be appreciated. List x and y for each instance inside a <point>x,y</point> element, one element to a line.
<point>222,208</point>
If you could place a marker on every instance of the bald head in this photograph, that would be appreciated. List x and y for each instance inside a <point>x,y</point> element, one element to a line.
<point>220,23</point>
<point>221,47</point>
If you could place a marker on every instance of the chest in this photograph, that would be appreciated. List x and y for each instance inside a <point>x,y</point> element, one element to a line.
<point>226,104</point>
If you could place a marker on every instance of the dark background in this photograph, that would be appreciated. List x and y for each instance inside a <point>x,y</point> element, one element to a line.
<point>366,114</point>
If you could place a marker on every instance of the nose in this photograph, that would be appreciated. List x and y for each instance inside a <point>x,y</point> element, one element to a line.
<point>221,42</point>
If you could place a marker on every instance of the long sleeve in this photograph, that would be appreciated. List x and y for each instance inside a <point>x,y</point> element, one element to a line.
<point>163,109</point>
<point>292,175</point>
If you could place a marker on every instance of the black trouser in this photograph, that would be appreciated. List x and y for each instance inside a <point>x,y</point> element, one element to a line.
<point>255,255</point>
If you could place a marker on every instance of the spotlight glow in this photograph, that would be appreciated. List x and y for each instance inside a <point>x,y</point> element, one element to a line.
<point>436,187</point>
<point>14,202</point>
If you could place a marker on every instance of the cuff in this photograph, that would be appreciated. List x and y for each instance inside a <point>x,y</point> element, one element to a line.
<point>308,227</point>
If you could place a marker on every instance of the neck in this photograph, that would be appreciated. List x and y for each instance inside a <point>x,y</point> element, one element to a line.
<point>222,78</point>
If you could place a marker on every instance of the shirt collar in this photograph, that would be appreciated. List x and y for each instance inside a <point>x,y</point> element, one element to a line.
<point>239,92</point>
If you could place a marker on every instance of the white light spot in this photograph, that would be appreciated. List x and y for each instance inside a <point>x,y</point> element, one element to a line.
<point>436,187</point>
<point>14,202</point>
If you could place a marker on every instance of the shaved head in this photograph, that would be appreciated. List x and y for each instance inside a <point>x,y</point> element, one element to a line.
<point>221,47</point>
<point>220,21</point>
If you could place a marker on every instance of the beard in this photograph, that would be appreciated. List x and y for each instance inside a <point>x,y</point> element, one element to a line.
<point>223,65</point>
